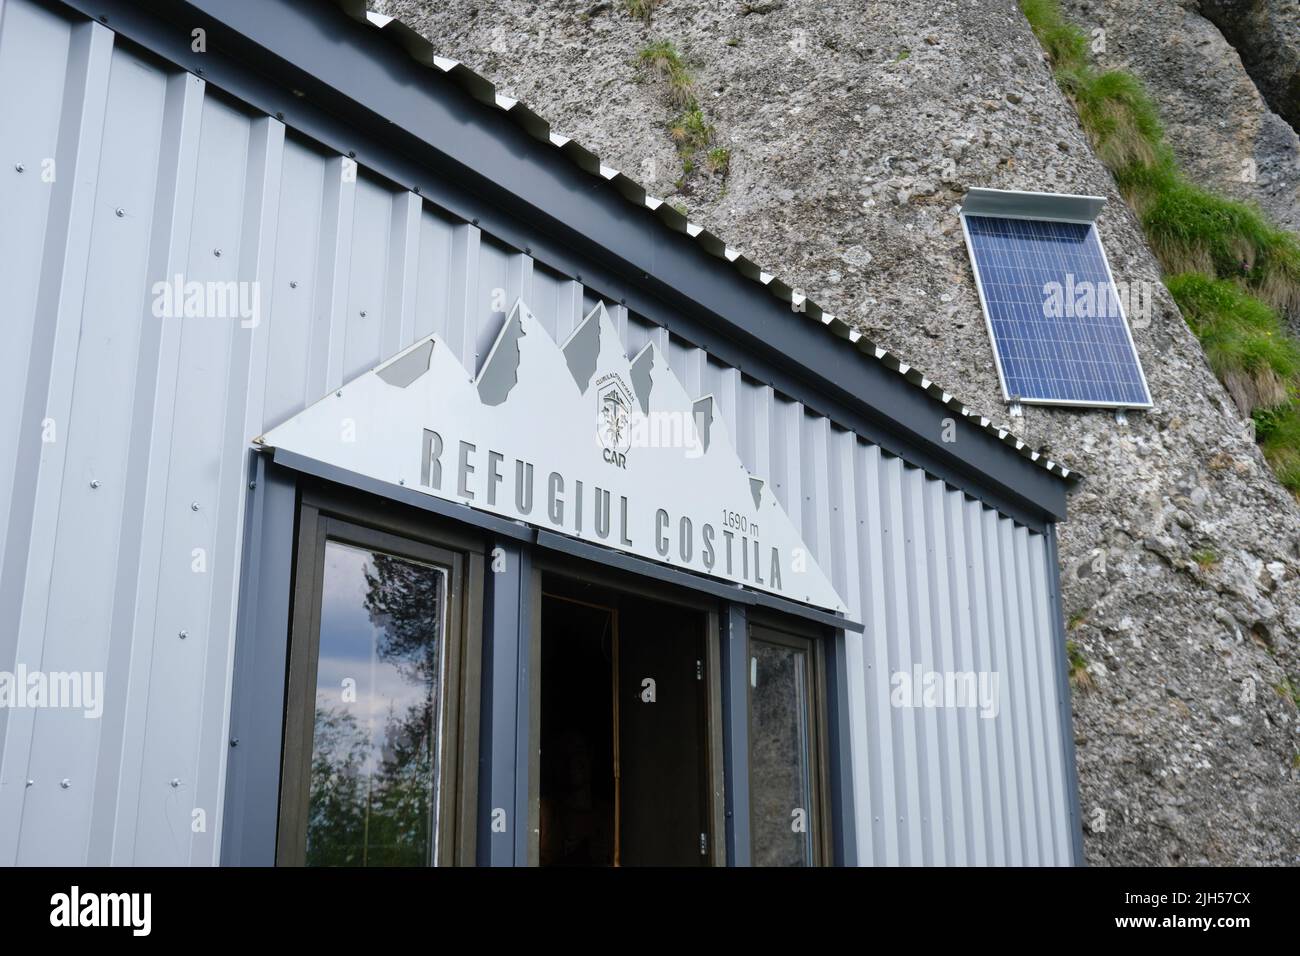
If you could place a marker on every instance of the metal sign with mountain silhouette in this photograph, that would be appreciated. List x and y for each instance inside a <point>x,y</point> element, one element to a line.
<point>575,439</point>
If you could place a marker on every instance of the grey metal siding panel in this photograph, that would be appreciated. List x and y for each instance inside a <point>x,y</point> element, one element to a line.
<point>350,269</point>
<point>991,761</point>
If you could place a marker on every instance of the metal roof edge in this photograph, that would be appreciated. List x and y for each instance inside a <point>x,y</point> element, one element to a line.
<point>484,91</point>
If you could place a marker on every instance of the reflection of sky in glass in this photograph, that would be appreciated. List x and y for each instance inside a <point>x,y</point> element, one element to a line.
<point>392,683</point>
<point>348,646</point>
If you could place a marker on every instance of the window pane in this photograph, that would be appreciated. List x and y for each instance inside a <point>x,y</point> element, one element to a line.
<point>780,757</point>
<point>374,786</point>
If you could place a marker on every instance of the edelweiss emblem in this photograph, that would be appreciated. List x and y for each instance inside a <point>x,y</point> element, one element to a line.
<point>614,422</point>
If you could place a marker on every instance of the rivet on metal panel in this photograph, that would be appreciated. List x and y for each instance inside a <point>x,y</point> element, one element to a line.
<point>293,283</point>
<point>473,222</point>
<point>401,481</point>
<point>416,190</point>
<point>19,167</point>
<point>198,71</point>
<point>31,783</point>
<point>94,483</point>
<point>352,154</point>
<point>176,783</point>
<point>363,313</point>
<point>65,783</point>
<point>252,485</point>
<point>279,116</point>
<point>194,506</point>
<point>119,212</point>
<point>217,253</point>
<point>234,741</point>
<point>339,393</point>
<point>182,634</point>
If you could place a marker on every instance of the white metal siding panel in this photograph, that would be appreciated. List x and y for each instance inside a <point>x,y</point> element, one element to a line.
<point>926,718</point>
<point>937,548</point>
<point>971,770</point>
<point>434,282</point>
<point>84,533</point>
<point>997,815</point>
<point>897,635</point>
<point>352,268</point>
<point>491,305</point>
<point>40,467</point>
<point>33,58</point>
<point>364,314</point>
<point>1058,773</point>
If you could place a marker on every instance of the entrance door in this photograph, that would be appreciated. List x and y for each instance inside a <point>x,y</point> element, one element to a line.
<point>624,762</point>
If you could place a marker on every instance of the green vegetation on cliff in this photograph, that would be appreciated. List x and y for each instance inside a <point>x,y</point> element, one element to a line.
<point>1229,269</point>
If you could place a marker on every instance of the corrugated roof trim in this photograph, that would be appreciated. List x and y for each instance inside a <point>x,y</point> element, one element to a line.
<point>483,90</point>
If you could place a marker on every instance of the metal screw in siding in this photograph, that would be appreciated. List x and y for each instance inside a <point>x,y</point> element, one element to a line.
<point>65,783</point>
<point>194,506</point>
<point>94,483</point>
<point>293,283</point>
<point>176,783</point>
<point>31,783</point>
<point>183,634</point>
<point>19,167</point>
<point>217,253</point>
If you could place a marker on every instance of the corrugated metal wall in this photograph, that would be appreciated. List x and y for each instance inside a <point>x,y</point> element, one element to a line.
<point>123,480</point>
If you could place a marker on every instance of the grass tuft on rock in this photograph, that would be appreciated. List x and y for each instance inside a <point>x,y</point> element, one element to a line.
<point>664,58</point>
<point>690,130</point>
<point>643,10</point>
<point>1244,340</point>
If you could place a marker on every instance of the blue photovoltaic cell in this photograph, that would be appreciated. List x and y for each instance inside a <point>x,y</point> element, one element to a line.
<point>1057,326</point>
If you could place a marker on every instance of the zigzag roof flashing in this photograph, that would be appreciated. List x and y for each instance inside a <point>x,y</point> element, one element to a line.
<point>484,91</point>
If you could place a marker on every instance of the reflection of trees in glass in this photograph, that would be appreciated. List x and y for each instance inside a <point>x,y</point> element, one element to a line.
<point>376,809</point>
<point>336,812</point>
<point>405,604</point>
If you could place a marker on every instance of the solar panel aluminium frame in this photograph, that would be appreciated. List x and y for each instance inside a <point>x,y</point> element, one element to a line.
<point>988,318</point>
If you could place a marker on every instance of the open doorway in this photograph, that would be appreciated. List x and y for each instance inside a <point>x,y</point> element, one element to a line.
<point>623,765</point>
<point>577,812</point>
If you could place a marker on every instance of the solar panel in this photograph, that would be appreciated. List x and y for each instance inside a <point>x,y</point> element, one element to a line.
<point>1058,328</point>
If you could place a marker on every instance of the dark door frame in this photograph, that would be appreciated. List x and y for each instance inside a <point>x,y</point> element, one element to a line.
<point>812,641</point>
<point>506,560</point>
<point>547,564</point>
<point>329,513</point>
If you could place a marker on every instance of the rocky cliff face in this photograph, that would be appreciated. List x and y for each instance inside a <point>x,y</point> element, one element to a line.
<point>853,130</point>
<point>1225,133</point>
<point>1267,35</point>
